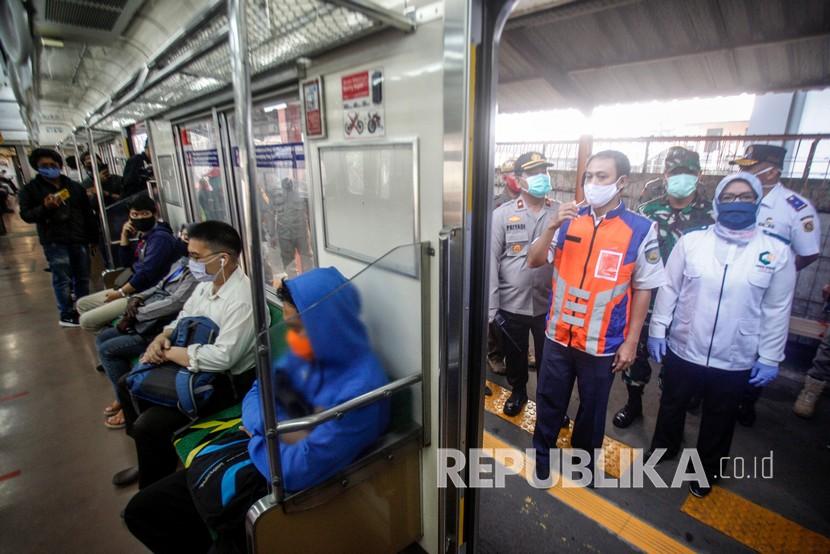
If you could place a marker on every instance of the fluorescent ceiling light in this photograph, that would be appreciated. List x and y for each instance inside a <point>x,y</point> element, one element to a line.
<point>280,106</point>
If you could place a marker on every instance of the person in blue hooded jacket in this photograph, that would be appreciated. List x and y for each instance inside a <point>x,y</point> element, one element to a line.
<point>329,361</point>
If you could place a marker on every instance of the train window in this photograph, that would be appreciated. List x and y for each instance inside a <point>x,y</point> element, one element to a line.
<point>283,198</point>
<point>204,176</point>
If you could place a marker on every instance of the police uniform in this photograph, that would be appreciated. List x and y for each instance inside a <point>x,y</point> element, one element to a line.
<point>791,217</point>
<point>596,264</point>
<point>518,294</point>
<point>726,306</point>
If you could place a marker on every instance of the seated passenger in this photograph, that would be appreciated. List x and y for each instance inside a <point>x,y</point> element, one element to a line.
<point>147,312</point>
<point>330,361</point>
<point>150,259</point>
<point>223,297</point>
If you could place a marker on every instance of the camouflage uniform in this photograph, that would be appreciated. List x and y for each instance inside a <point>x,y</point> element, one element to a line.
<point>671,225</point>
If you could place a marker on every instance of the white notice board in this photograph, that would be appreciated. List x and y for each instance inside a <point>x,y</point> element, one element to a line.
<point>370,199</point>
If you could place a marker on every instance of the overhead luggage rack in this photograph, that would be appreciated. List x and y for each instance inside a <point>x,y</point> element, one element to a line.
<point>279,32</point>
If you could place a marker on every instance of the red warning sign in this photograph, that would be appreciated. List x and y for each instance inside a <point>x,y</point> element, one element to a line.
<point>355,85</point>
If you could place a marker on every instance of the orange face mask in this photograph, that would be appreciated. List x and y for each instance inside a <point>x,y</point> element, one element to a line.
<point>299,345</point>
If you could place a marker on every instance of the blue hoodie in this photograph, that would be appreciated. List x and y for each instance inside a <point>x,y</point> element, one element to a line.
<point>151,263</point>
<point>344,367</point>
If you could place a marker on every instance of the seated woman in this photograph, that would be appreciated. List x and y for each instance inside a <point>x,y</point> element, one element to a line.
<point>329,362</point>
<point>727,308</point>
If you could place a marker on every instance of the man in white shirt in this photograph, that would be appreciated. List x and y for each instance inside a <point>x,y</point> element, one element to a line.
<point>784,214</point>
<point>224,297</point>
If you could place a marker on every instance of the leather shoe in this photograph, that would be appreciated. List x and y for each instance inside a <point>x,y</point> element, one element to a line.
<point>699,490</point>
<point>515,403</point>
<point>626,416</point>
<point>126,477</point>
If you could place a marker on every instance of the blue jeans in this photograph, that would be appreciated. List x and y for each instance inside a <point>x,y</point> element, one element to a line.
<point>70,273</point>
<point>117,350</point>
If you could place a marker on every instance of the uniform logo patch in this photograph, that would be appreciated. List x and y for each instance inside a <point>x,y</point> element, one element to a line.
<point>797,203</point>
<point>766,257</point>
<point>653,255</point>
<point>768,223</point>
<point>608,265</point>
<point>516,248</point>
<point>514,218</point>
<point>808,224</point>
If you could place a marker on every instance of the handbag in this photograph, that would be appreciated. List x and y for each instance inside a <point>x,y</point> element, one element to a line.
<point>172,385</point>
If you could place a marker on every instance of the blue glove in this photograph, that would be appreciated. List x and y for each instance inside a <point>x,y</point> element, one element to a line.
<point>656,348</point>
<point>762,374</point>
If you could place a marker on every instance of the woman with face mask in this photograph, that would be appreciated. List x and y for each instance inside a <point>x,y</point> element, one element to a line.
<point>720,323</point>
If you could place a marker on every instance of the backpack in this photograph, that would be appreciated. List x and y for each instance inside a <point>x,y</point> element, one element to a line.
<point>172,385</point>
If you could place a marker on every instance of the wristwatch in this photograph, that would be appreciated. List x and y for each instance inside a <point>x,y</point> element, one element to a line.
<point>122,293</point>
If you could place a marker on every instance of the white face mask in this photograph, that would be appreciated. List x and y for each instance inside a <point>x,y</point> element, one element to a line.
<point>600,195</point>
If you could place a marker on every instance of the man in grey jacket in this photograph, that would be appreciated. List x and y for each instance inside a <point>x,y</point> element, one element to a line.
<point>147,313</point>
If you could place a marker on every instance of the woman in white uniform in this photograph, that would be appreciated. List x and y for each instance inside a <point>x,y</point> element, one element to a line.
<point>726,308</point>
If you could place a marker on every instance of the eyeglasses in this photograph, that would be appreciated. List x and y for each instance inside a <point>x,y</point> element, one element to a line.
<point>743,197</point>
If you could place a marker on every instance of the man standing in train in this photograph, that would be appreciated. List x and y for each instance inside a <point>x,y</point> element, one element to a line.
<point>784,214</point>
<point>606,263</point>
<point>519,295</point>
<point>66,227</point>
<point>224,297</point>
<point>682,208</point>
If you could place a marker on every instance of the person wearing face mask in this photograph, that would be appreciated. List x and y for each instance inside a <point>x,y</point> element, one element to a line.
<point>720,323</point>
<point>785,214</point>
<point>606,261</point>
<point>317,372</point>
<point>511,189</point>
<point>150,258</point>
<point>519,295</point>
<point>223,296</point>
<point>680,209</point>
<point>66,227</point>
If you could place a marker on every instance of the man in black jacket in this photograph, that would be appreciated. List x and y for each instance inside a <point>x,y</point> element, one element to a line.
<point>137,171</point>
<point>66,227</point>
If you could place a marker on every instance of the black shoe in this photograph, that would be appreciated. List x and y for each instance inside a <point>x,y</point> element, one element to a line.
<point>698,490</point>
<point>566,421</point>
<point>99,368</point>
<point>625,417</point>
<point>126,477</point>
<point>488,391</point>
<point>71,321</point>
<point>746,415</point>
<point>515,403</point>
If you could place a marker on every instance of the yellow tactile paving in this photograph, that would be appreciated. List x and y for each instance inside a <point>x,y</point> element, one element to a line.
<point>627,527</point>
<point>526,419</point>
<point>748,523</point>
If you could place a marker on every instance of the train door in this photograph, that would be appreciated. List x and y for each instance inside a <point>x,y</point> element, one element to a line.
<point>283,190</point>
<point>204,175</point>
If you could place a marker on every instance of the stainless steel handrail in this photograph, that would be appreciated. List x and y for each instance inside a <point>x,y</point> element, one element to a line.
<point>313,420</point>
<point>99,192</point>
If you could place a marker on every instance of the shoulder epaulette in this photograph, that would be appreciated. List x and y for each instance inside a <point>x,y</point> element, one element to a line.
<point>796,203</point>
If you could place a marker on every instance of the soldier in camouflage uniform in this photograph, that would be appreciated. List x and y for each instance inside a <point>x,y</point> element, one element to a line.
<point>680,209</point>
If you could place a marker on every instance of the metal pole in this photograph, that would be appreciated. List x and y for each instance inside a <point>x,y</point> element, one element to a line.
<point>77,158</point>
<point>240,66</point>
<point>102,212</point>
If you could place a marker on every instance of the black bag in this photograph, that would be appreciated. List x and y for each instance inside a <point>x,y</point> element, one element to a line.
<point>224,482</point>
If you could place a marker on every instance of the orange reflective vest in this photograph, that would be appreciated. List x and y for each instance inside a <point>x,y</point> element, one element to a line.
<point>592,270</point>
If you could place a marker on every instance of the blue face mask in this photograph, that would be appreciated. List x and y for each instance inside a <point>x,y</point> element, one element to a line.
<point>538,185</point>
<point>49,172</point>
<point>737,215</point>
<point>681,186</point>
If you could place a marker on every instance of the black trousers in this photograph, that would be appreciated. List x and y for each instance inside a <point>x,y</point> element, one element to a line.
<point>494,340</point>
<point>560,366</point>
<point>152,426</point>
<point>164,518</point>
<point>515,331</point>
<point>720,391</point>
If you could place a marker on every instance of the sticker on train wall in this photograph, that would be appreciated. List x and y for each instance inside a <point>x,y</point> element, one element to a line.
<point>362,97</point>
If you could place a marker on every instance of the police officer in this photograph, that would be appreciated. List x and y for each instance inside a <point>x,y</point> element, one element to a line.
<point>606,261</point>
<point>509,182</point>
<point>519,295</point>
<point>726,307</point>
<point>785,214</point>
<point>680,209</point>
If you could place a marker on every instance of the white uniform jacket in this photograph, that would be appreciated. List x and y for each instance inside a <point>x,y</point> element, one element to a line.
<point>727,305</point>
